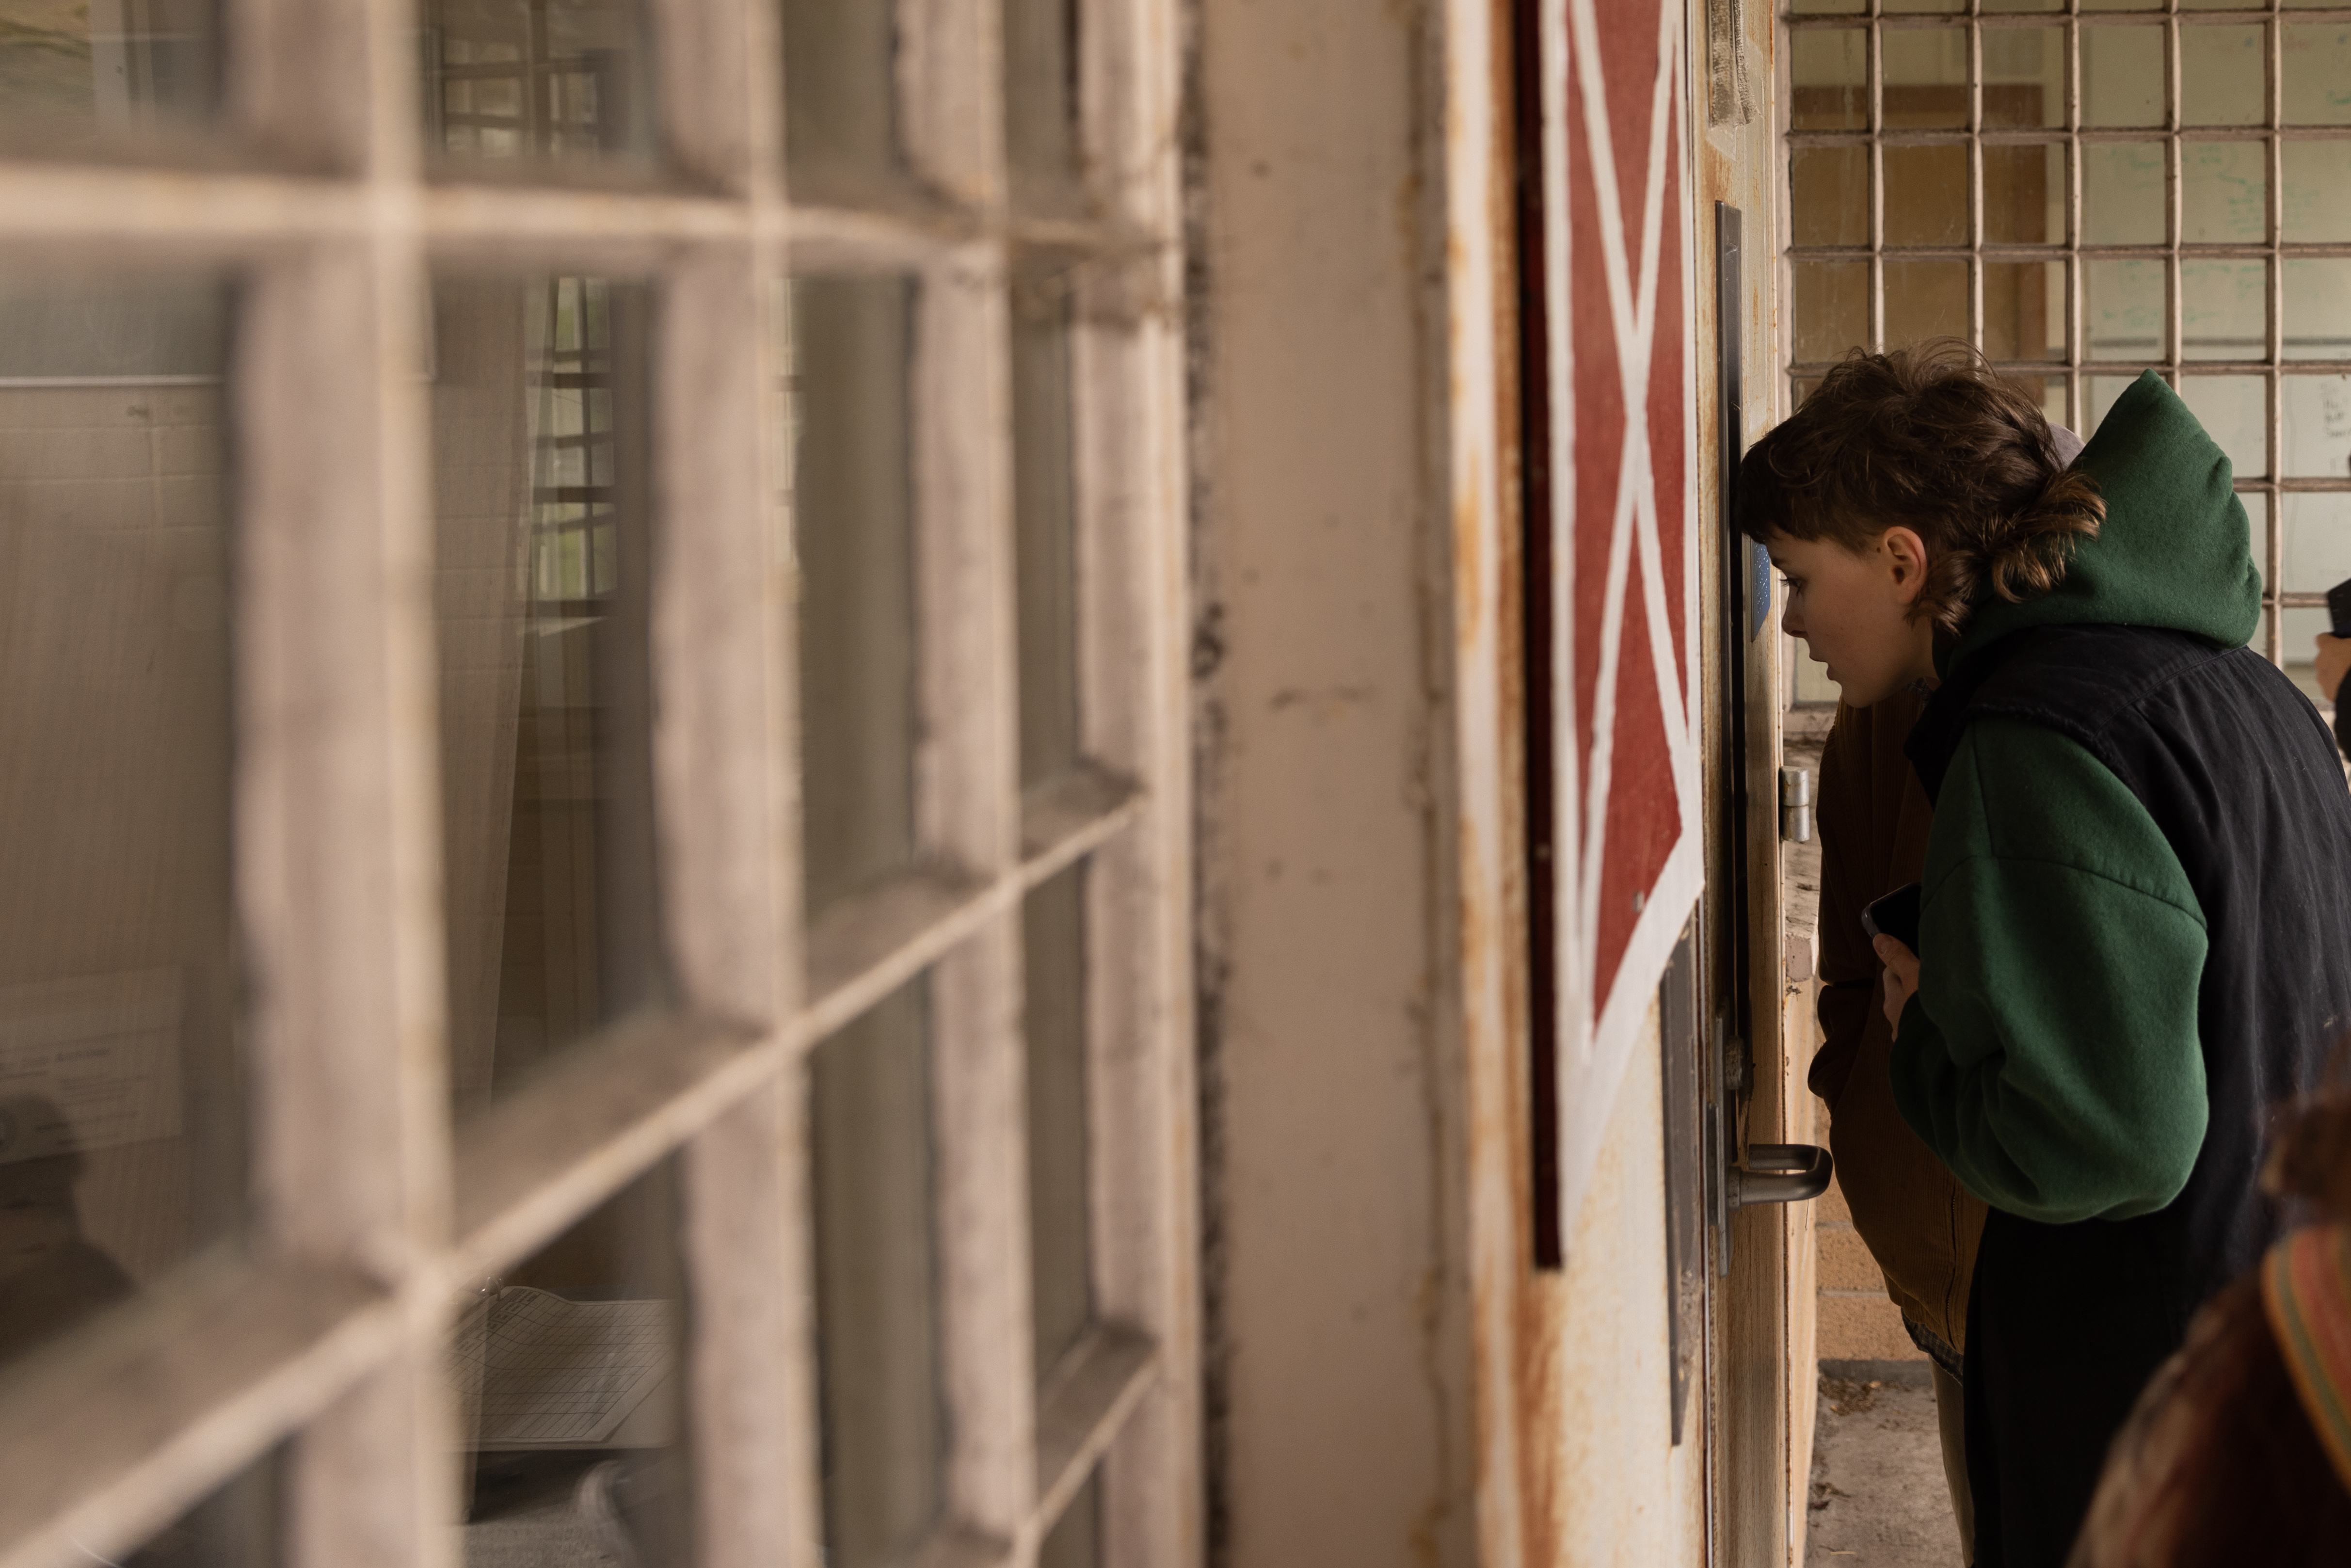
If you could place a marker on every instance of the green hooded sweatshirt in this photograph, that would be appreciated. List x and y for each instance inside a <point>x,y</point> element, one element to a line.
<point>2051,1055</point>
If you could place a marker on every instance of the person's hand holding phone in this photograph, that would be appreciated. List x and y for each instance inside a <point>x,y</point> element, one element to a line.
<point>1901,976</point>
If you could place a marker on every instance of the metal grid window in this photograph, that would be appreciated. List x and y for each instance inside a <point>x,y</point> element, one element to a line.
<point>2086,190</point>
<point>847,378</point>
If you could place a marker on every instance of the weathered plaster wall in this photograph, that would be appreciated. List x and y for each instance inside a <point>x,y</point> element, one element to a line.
<point>1629,1495</point>
<point>1340,1405</point>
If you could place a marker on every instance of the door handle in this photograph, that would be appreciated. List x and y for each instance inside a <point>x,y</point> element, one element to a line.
<point>1779,1173</point>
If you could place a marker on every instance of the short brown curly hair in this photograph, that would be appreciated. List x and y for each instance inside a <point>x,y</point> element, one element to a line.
<point>1934,439</point>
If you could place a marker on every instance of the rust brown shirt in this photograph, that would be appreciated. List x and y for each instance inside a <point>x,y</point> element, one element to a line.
<point>1920,1224</point>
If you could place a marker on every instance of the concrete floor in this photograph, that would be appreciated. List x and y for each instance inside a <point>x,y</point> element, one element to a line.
<point>1878,1499</point>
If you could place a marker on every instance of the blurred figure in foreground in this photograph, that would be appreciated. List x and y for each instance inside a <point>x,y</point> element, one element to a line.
<point>2240,1451</point>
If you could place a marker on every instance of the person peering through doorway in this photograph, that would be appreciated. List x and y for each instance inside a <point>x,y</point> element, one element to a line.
<point>2135,890</point>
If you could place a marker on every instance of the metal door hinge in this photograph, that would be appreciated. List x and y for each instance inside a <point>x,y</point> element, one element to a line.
<point>1796,805</point>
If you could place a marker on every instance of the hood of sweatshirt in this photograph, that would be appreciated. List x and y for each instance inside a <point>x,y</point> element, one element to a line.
<point>2175,550</point>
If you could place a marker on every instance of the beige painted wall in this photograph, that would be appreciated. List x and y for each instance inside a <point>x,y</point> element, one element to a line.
<point>1630,1495</point>
<point>1340,1404</point>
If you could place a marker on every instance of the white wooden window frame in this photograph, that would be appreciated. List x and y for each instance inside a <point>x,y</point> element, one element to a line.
<point>2179,26</point>
<point>368,1213</point>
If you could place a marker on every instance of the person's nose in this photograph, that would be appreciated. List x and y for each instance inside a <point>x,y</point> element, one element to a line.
<point>1790,621</point>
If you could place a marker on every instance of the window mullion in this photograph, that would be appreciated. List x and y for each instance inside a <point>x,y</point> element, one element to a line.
<point>336,808</point>
<point>1133,697</point>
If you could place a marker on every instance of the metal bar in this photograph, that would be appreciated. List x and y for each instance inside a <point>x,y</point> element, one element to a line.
<point>1975,197</point>
<point>2050,138</point>
<point>2325,17</point>
<point>1876,93</point>
<point>2274,310</point>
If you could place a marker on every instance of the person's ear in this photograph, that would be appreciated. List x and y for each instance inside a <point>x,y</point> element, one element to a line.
<point>1905,555</point>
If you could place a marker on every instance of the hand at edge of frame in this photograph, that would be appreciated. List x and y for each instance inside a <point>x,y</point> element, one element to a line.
<point>1901,976</point>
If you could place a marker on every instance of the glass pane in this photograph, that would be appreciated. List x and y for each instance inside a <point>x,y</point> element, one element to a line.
<point>2317,318</point>
<point>567,1371</point>
<point>2318,82</point>
<point>73,74</point>
<point>122,1088</point>
<point>1828,80</point>
<point>2001,7</point>
<point>2317,173</point>
<point>1053,933</point>
<point>2224,309</point>
<point>235,1527</point>
<point>2122,75</point>
<point>841,93</point>
<point>1925,299</point>
<point>1819,7</point>
<point>1832,309</point>
<point>1800,389</point>
<point>1045,511</point>
<point>1900,7</point>
<point>2317,551</point>
<point>1925,79</point>
<point>1829,196</point>
<point>2025,194</point>
<point>2053,398</point>
<point>1040,102</point>
<point>2122,193</point>
<point>2234,411</point>
<point>2299,644</point>
<point>2122,310</point>
<point>2316,414</point>
<point>2023,78</point>
<point>2225,193</point>
<point>877,1329</point>
<point>558,81</point>
<point>1075,1540</point>
<point>850,341</point>
<point>1927,195</point>
<point>542,602</point>
<point>2222,84</point>
<point>2024,310</point>
<point>2122,4</point>
<point>2100,394</point>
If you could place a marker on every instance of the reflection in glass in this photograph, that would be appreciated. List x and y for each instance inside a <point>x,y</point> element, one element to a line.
<point>2023,78</point>
<point>2316,416</point>
<point>1925,195</point>
<point>2234,411</point>
<point>1053,934</point>
<point>2122,193</point>
<point>1925,299</point>
<point>569,1372</point>
<point>840,94</point>
<point>2121,309</point>
<point>235,1527</point>
<point>2225,191</point>
<point>1925,86</point>
<point>542,598</point>
<point>877,1283</point>
<point>2223,84</point>
<point>1828,80</point>
<point>1075,1540</point>
<point>1040,102</point>
<point>2317,308</point>
<point>1044,481</point>
<point>852,507</point>
<point>2224,309</point>
<point>2316,86</point>
<point>2025,194</point>
<point>121,1083</point>
<point>2024,310</point>
<point>2122,75</point>
<point>78,71</point>
<point>2316,175</point>
<point>557,81</point>
<point>1832,303</point>
<point>1828,190</point>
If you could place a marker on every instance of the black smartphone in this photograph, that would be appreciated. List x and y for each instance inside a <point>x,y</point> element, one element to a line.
<point>2338,608</point>
<point>1895,915</point>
